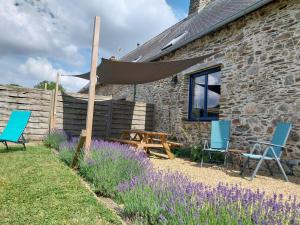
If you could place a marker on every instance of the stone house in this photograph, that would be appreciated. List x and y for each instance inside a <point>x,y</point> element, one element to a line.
<point>253,79</point>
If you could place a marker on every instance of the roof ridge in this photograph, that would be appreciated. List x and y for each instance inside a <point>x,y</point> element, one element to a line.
<point>161,33</point>
<point>212,17</point>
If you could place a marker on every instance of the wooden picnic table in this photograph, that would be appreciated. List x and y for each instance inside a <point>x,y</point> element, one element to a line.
<point>148,139</point>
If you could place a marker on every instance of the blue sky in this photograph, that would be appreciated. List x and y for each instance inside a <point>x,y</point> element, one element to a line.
<point>55,36</point>
<point>180,7</point>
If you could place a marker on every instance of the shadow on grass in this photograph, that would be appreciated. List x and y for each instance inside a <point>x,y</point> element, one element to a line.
<point>12,148</point>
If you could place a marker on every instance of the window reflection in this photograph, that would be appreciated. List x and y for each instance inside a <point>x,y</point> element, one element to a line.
<point>198,96</point>
<point>213,94</point>
<point>205,95</point>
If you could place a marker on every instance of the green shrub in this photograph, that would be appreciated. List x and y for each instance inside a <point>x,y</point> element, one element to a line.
<point>196,151</point>
<point>67,150</point>
<point>182,152</point>
<point>193,152</point>
<point>66,156</point>
<point>55,138</point>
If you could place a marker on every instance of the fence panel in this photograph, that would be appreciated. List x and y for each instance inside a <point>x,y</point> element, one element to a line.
<point>110,116</point>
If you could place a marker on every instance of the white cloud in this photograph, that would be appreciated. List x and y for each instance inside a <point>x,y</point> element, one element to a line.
<point>41,69</point>
<point>35,70</point>
<point>39,36</point>
<point>38,68</point>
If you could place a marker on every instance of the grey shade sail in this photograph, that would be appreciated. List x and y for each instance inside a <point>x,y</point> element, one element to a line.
<point>118,72</point>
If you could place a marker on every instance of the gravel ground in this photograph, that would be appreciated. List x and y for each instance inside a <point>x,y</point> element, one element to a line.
<point>212,175</point>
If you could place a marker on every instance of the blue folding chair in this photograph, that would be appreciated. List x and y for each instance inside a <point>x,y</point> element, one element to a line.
<point>15,127</point>
<point>272,151</point>
<point>219,139</point>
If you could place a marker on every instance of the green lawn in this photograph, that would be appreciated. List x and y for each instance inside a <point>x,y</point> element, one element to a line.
<point>36,188</point>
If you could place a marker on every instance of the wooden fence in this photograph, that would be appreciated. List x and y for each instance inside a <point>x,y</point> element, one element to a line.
<point>110,116</point>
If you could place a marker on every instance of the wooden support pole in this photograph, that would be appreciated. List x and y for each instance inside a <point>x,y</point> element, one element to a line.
<point>92,88</point>
<point>134,92</point>
<point>78,148</point>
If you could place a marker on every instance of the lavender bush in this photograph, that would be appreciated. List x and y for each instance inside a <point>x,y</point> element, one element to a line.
<point>156,197</point>
<point>171,198</point>
<point>67,149</point>
<point>110,164</point>
<point>55,138</point>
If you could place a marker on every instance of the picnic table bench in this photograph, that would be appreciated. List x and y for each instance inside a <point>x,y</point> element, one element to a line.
<point>148,139</point>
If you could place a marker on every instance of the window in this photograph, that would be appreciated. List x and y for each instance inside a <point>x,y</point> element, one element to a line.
<point>174,41</point>
<point>204,95</point>
<point>137,59</point>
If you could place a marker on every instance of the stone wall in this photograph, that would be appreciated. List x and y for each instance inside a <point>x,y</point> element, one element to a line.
<point>197,5</point>
<point>260,61</point>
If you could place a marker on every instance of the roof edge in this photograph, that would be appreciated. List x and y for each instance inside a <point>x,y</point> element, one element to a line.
<point>213,28</point>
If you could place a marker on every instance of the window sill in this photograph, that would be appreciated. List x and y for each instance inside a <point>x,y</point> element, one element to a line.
<point>199,120</point>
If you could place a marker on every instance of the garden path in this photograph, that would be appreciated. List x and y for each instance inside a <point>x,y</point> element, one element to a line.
<point>212,175</point>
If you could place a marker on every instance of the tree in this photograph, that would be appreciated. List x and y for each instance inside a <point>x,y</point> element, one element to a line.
<point>50,85</point>
<point>14,85</point>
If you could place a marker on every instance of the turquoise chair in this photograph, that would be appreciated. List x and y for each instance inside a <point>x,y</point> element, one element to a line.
<point>15,127</point>
<point>219,139</point>
<point>272,151</point>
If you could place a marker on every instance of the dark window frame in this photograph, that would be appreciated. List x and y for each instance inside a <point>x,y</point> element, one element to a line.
<point>191,89</point>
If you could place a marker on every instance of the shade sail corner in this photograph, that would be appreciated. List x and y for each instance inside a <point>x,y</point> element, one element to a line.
<point>120,72</point>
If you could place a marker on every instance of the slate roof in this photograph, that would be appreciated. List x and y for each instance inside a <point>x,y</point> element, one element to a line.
<point>215,15</point>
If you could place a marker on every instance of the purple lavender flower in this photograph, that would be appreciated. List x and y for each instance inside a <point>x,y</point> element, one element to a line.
<point>183,201</point>
<point>165,197</point>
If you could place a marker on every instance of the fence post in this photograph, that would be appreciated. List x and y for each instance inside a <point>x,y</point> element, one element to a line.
<point>51,110</point>
<point>54,104</point>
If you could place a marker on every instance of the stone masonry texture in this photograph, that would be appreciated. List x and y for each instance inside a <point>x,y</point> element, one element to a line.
<point>260,62</point>
<point>197,5</point>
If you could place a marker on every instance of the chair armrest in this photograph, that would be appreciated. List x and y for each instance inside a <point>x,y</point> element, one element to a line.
<point>266,143</point>
<point>208,139</point>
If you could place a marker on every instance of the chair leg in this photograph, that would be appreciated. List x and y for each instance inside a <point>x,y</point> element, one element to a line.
<point>210,158</point>
<point>249,167</point>
<point>201,158</point>
<point>269,168</point>
<point>5,143</point>
<point>257,168</point>
<point>282,170</point>
<point>231,156</point>
<point>23,141</point>
<point>225,157</point>
<point>291,168</point>
<point>244,166</point>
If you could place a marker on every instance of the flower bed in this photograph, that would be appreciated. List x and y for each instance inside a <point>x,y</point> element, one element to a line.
<point>158,197</point>
<point>171,198</point>
<point>67,150</point>
<point>109,164</point>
